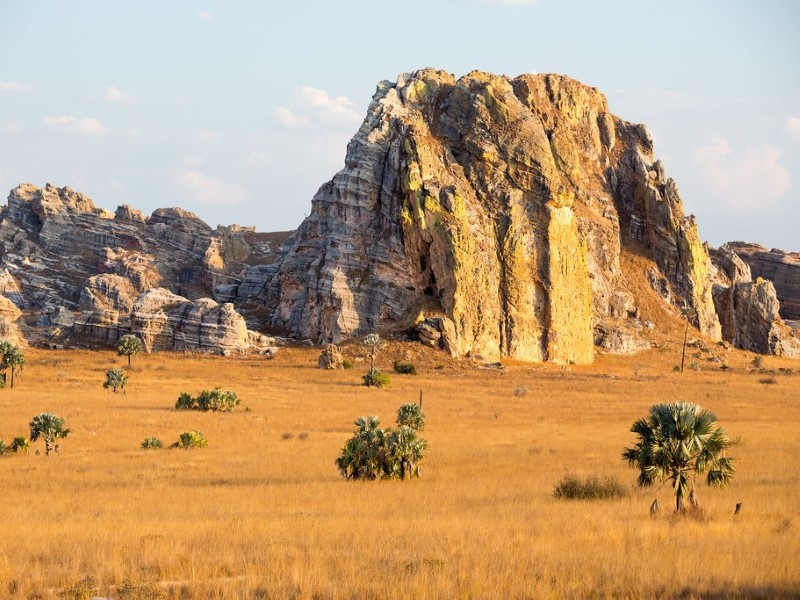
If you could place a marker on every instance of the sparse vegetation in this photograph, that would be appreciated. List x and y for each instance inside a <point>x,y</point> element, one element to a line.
<point>677,442</point>
<point>216,400</point>
<point>19,445</point>
<point>694,365</point>
<point>591,488</point>
<point>375,453</point>
<point>347,364</point>
<point>152,443</point>
<point>151,516</point>
<point>191,439</point>
<point>12,360</point>
<point>405,368</point>
<point>129,346</point>
<point>376,379</point>
<point>115,380</point>
<point>373,342</point>
<point>50,428</point>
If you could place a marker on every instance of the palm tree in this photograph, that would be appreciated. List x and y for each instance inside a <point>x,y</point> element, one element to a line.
<point>12,358</point>
<point>411,415</point>
<point>129,345</point>
<point>374,342</point>
<point>688,313</point>
<point>49,427</point>
<point>677,442</point>
<point>115,379</point>
<point>404,450</point>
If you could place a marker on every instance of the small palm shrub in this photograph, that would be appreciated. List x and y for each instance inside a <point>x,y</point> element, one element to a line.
<point>115,379</point>
<point>376,453</point>
<point>213,400</point>
<point>376,378</point>
<point>592,488</point>
<point>19,444</point>
<point>405,368</point>
<point>151,443</point>
<point>411,415</point>
<point>3,448</point>
<point>191,439</point>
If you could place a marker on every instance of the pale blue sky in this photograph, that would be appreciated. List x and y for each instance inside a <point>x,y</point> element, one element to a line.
<point>239,111</point>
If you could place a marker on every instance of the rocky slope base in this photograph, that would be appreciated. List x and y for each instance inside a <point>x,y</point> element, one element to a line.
<point>493,214</point>
<point>75,274</point>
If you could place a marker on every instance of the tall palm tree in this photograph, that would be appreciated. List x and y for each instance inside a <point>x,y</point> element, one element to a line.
<point>12,358</point>
<point>129,345</point>
<point>404,450</point>
<point>677,442</point>
<point>49,427</point>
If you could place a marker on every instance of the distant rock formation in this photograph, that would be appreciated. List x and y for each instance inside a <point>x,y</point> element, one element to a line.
<point>483,215</point>
<point>78,270</point>
<point>502,206</point>
<point>781,268</point>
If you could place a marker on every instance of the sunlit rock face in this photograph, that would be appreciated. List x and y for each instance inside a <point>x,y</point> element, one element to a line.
<point>500,205</point>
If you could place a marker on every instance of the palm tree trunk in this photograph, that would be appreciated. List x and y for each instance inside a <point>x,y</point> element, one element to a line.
<point>129,361</point>
<point>683,352</point>
<point>12,378</point>
<point>47,447</point>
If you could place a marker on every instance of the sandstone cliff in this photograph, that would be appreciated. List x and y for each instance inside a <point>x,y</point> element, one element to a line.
<point>781,268</point>
<point>502,206</point>
<point>74,271</point>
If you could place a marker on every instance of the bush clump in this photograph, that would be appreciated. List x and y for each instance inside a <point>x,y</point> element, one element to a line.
<point>191,439</point>
<point>376,378</point>
<point>592,488</point>
<point>376,453</point>
<point>347,364</point>
<point>405,368</point>
<point>209,400</point>
<point>151,443</point>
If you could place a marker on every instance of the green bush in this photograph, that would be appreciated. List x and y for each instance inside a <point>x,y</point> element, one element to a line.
<point>694,365</point>
<point>3,448</point>
<point>411,415</point>
<point>191,439</point>
<point>375,453</point>
<point>213,400</point>
<point>151,442</point>
<point>405,368</point>
<point>19,444</point>
<point>115,379</point>
<point>592,488</point>
<point>347,364</point>
<point>376,378</point>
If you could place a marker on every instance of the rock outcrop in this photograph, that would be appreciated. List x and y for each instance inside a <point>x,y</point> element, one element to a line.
<point>748,309</point>
<point>504,204</point>
<point>78,269</point>
<point>778,266</point>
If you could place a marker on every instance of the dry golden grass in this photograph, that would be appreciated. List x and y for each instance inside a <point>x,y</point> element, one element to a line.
<point>262,512</point>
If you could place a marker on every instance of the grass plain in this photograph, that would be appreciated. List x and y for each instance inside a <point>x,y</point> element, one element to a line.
<point>263,513</point>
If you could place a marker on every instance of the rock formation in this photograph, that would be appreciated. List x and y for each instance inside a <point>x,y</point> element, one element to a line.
<point>484,215</point>
<point>778,266</point>
<point>749,310</point>
<point>78,270</point>
<point>502,207</point>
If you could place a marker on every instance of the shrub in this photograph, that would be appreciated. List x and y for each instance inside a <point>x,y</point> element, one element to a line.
<point>3,448</point>
<point>191,439</point>
<point>151,442</point>
<point>115,379</point>
<point>347,364</point>
<point>411,415</point>
<point>376,378</point>
<point>758,362</point>
<point>375,453</point>
<point>520,391</point>
<point>694,365</point>
<point>405,368</point>
<point>592,488</point>
<point>213,400</point>
<point>19,444</point>
<point>768,380</point>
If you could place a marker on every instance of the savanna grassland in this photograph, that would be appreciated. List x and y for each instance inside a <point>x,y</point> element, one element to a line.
<point>263,513</point>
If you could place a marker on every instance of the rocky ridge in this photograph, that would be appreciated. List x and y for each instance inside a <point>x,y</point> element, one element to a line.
<point>484,215</point>
<point>75,272</point>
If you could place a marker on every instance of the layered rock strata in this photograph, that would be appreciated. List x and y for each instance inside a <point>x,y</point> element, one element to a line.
<point>782,268</point>
<point>502,204</point>
<point>78,270</point>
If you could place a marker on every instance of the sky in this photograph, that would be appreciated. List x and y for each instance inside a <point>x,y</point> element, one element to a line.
<point>240,110</point>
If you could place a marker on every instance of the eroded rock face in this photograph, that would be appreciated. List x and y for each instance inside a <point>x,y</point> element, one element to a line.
<point>166,321</point>
<point>748,309</point>
<point>504,204</point>
<point>778,266</point>
<point>79,269</point>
